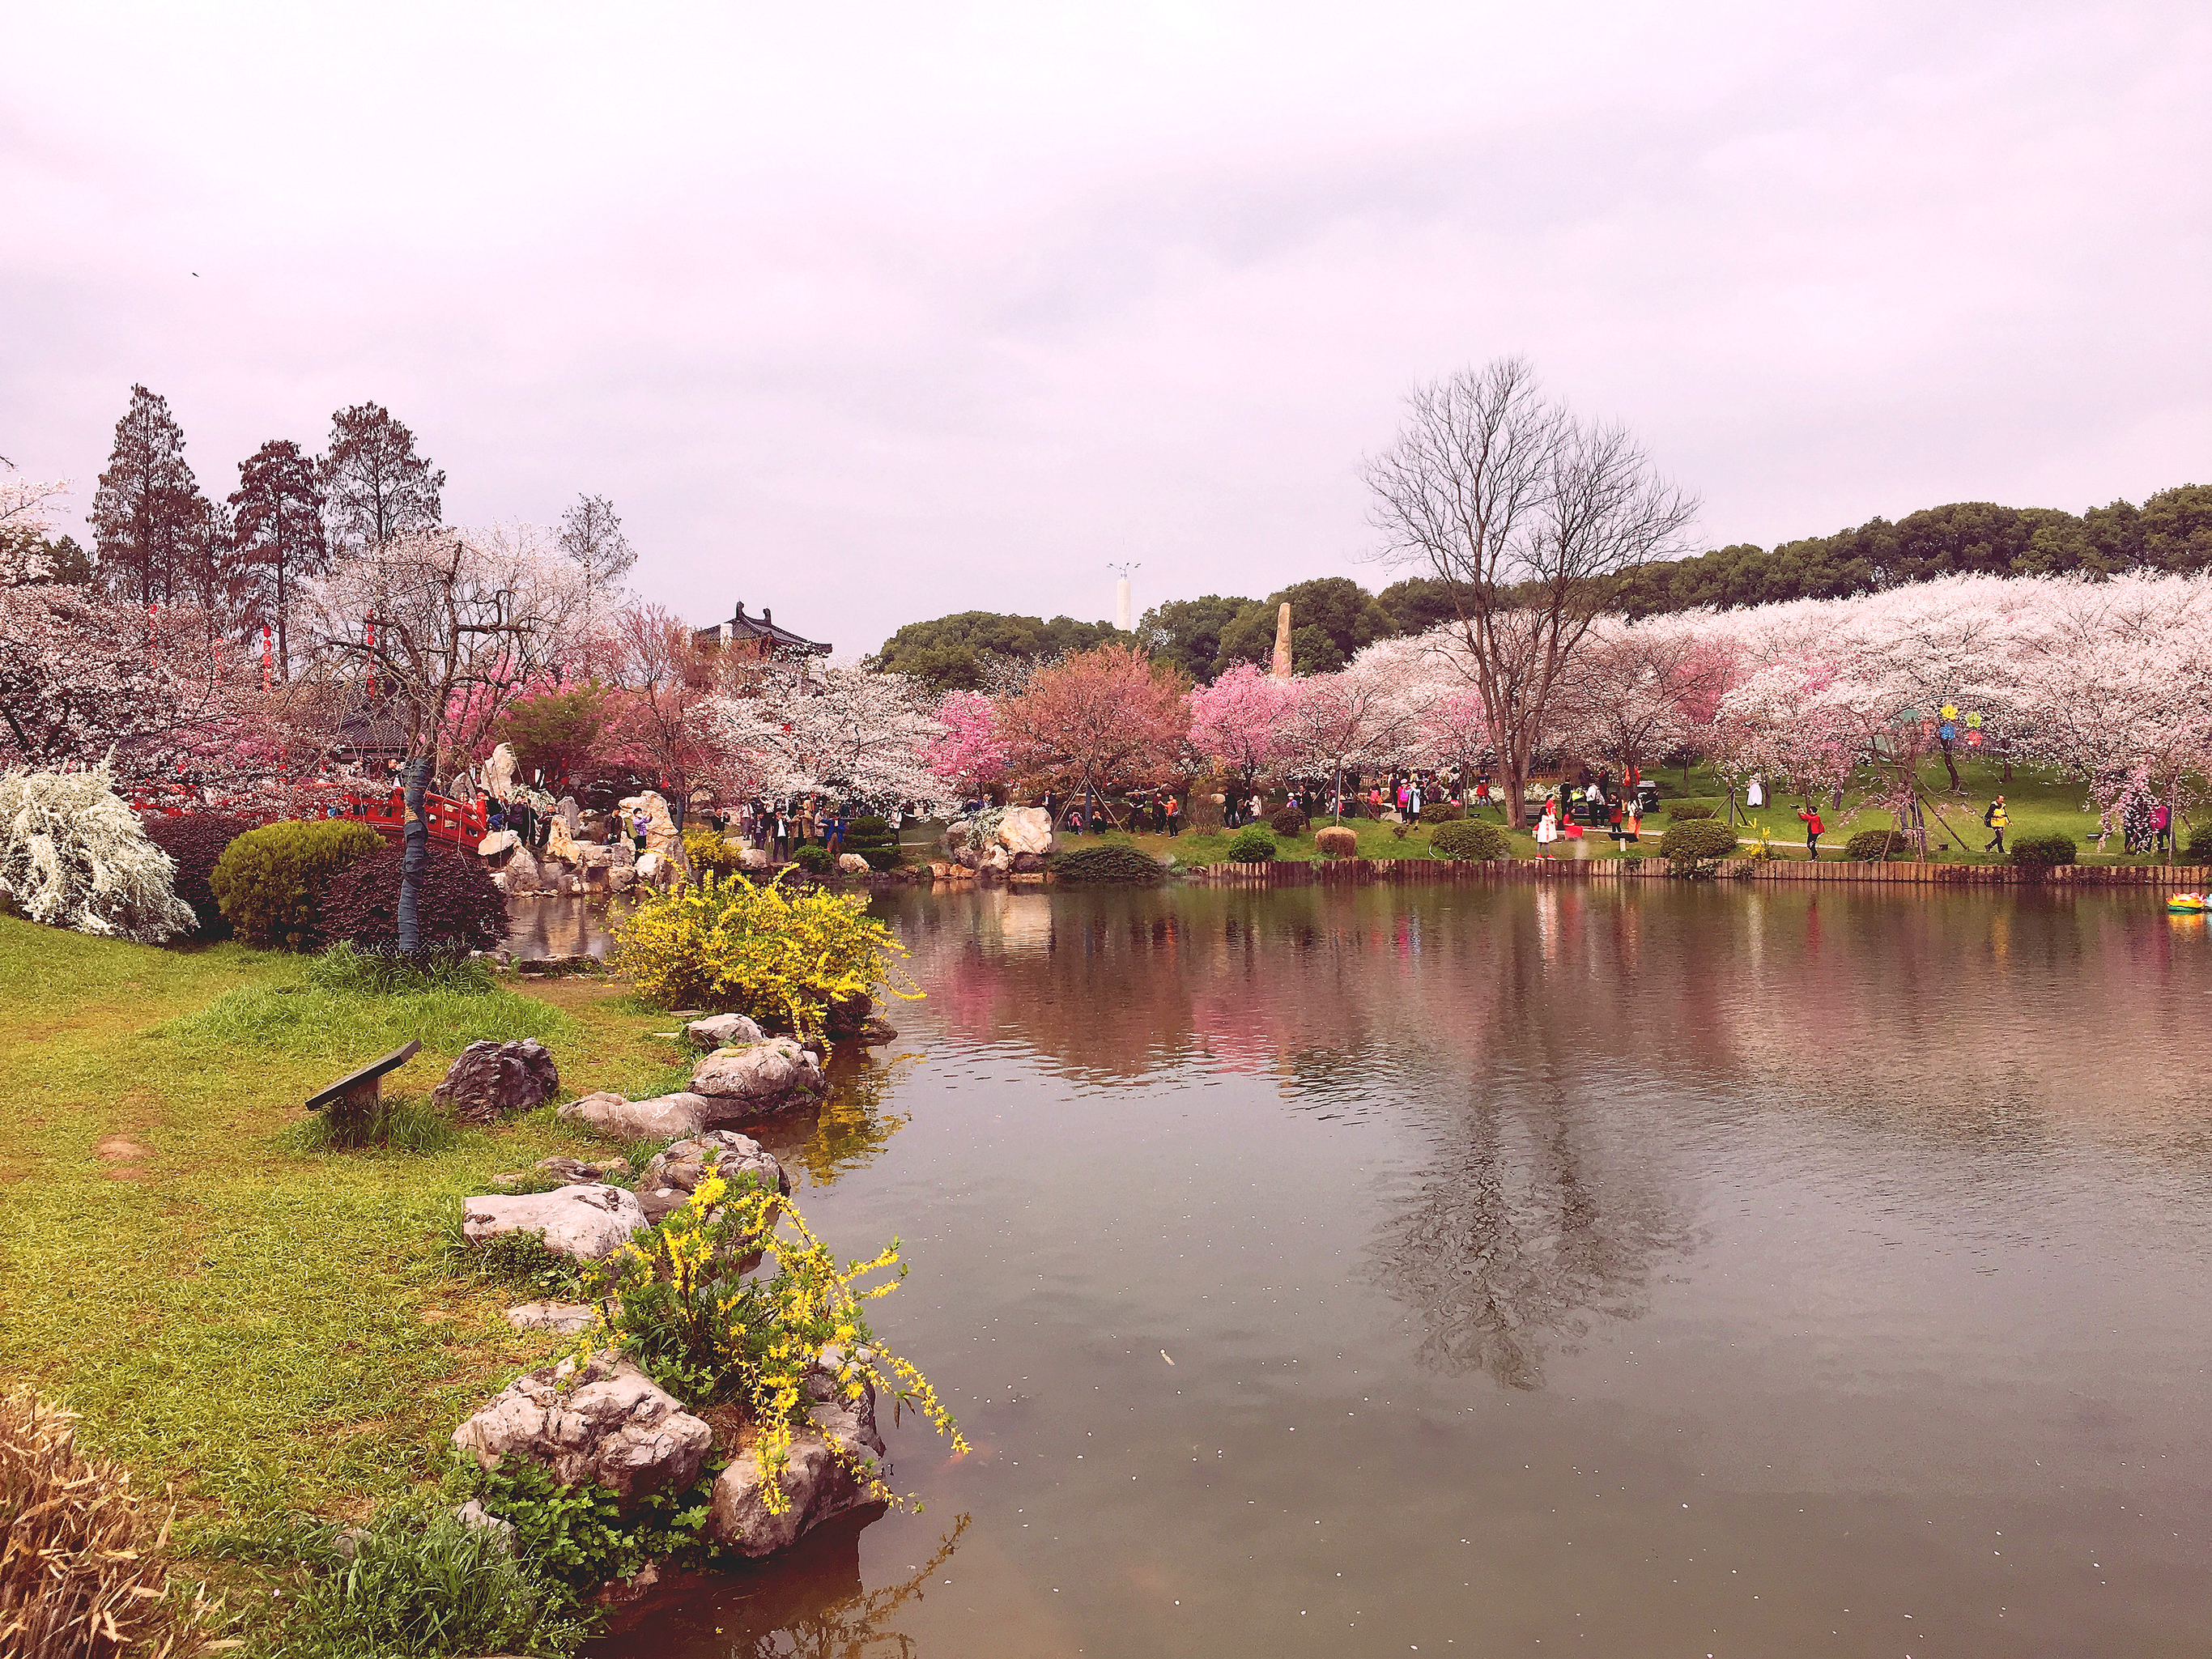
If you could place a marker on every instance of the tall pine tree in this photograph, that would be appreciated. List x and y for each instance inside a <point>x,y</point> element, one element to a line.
<point>374,485</point>
<point>277,515</point>
<point>156,537</point>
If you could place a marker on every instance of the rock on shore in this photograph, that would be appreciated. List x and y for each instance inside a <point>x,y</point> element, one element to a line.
<point>816,1484</point>
<point>586,1222</point>
<point>608,1423</point>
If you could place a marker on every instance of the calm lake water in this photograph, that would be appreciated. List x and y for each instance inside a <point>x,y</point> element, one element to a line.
<point>1656,1270</point>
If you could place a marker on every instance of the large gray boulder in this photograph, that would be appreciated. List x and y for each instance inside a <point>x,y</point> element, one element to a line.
<point>495,1080</point>
<point>817,1484</point>
<point>608,1423</point>
<point>664,1117</point>
<point>724,1031</point>
<point>586,1222</point>
<point>759,1079</point>
<point>671,1177</point>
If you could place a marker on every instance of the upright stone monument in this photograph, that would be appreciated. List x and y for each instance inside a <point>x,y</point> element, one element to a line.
<point>1282,665</point>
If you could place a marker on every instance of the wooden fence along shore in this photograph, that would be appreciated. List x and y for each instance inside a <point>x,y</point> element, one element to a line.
<point>1352,872</point>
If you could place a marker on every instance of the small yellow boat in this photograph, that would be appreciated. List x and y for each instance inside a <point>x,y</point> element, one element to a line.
<point>2188,904</point>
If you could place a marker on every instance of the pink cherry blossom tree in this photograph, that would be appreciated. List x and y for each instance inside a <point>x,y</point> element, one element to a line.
<point>969,753</point>
<point>1238,719</point>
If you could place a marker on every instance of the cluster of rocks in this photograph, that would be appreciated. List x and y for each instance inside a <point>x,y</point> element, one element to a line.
<point>607,1422</point>
<point>744,1083</point>
<point>1017,844</point>
<point>579,858</point>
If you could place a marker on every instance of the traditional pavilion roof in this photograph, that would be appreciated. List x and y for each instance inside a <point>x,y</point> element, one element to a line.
<point>766,638</point>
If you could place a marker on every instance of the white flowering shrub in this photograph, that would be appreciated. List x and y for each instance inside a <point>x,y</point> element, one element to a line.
<point>73,855</point>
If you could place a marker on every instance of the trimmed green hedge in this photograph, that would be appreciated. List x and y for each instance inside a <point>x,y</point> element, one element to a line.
<point>1874,846</point>
<point>1697,841</point>
<point>1465,839</point>
<point>874,840</point>
<point>1115,862</point>
<point>270,882</point>
<point>1443,811</point>
<point>2041,852</point>
<point>1288,821</point>
<point>1682,812</point>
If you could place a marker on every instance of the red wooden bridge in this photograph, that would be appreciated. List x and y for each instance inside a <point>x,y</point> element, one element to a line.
<point>457,823</point>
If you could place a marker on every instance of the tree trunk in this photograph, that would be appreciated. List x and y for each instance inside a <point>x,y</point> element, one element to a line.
<point>415,839</point>
<point>1957,788</point>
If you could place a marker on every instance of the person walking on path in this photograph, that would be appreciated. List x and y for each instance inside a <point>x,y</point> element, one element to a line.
<point>2161,826</point>
<point>1175,816</point>
<point>1814,829</point>
<point>1996,818</point>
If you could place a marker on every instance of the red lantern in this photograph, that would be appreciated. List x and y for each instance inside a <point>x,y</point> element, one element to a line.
<point>1973,739</point>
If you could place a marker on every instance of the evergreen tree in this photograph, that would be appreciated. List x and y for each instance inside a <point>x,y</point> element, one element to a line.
<point>374,485</point>
<point>277,510</point>
<point>150,524</point>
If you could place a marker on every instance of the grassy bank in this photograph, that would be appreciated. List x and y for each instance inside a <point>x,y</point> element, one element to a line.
<point>2038,805</point>
<point>263,1328</point>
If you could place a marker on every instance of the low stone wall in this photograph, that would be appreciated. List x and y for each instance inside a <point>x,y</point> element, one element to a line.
<point>1352,872</point>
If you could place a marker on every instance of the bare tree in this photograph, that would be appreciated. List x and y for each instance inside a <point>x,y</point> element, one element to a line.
<point>1522,512</point>
<point>592,534</point>
<point>447,625</point>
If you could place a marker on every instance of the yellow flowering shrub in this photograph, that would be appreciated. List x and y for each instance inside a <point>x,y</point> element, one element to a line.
<point>780,952</point>
<point>672,1300</point>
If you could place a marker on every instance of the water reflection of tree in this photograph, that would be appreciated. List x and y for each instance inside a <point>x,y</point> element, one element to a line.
<point>853,1128</point>
<point>1508,1245</point>
<point>856,1627</point>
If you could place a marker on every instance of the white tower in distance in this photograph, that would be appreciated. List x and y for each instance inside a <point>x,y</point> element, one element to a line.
<point>1121,619</point>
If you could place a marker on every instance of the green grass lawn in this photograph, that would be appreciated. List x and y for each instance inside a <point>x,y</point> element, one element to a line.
<point>263,1329</point>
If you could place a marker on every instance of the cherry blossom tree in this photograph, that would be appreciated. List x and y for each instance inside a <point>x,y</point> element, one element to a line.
<point>1239,718</point>
<point>1365,715</point>
<point>26,519</point>
<point>833,729</point>
<point>1096,722</point>
<point>970,754</point>
<point>2115,687</point>
<point>1635,692</point>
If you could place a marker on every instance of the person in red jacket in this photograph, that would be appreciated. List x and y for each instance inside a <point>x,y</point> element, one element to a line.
<point>1813,829</point>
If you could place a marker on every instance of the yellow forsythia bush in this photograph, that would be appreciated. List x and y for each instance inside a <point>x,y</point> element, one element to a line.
<point>779,952</point>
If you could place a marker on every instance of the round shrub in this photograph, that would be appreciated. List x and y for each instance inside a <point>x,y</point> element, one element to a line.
<point>1443,811</point>
<point>1288,821</point>
<point>1336,841</point>
<point>2200,845</point>
<point>1251,845</point>
<point>704,850</point>
<point>1697,841</point>
<point>1117,861</point>
<point>1681,811</point>
<point>457,907</point>
<point>815,861</point>
<point>270,882</point>
<point>1470,839</point>
<point>196,840</point>
<point>785,952</point>
<point>2041,852</point>
<point>1873,846</point>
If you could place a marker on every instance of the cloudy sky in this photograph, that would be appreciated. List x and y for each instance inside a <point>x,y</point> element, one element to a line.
<point>872,313</point>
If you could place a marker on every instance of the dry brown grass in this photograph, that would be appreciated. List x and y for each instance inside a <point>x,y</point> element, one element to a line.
<point>83,1571</point>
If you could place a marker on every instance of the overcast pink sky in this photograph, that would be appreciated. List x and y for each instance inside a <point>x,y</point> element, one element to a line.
<point>872,313</point>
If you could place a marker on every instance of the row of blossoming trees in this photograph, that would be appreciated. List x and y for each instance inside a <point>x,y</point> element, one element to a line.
<point>437,643</point>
